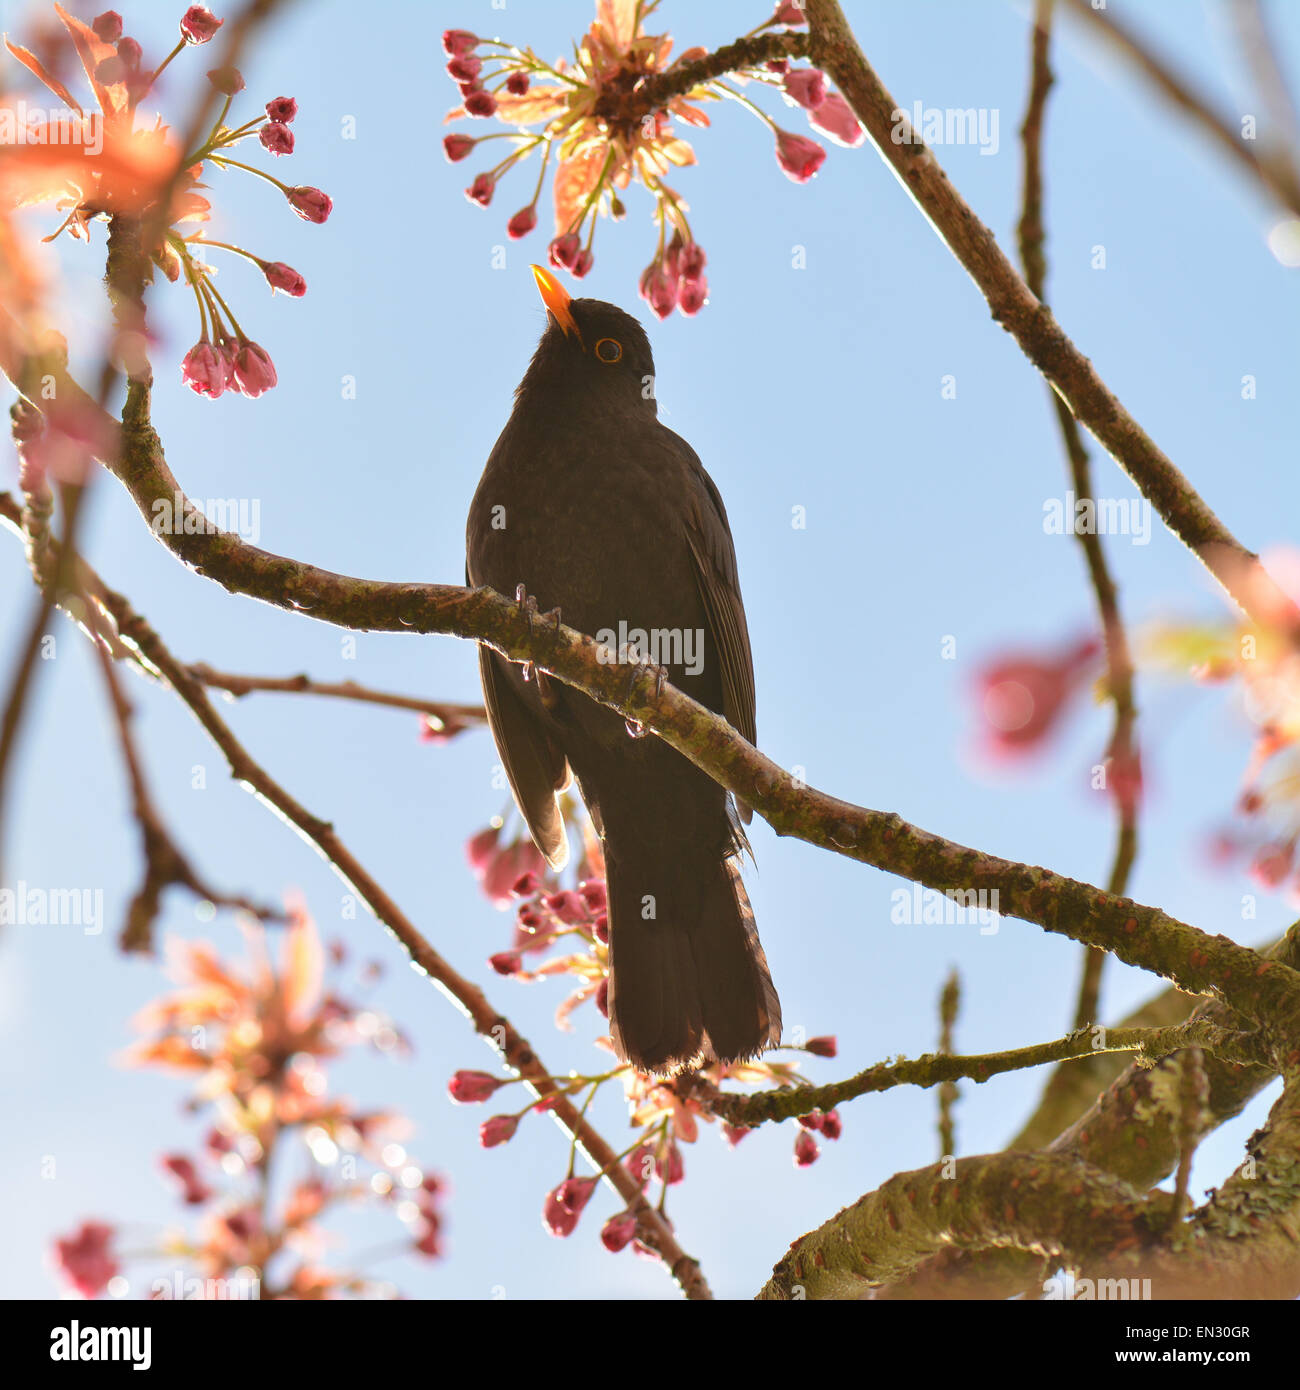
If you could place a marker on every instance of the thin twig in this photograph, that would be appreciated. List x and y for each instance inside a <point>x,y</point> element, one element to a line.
<point>1274,170</point>
<point>786,1102</point>
<point>949,1002</point>
<point>451,718</point>
<point>1122,755</point>
<point>165,865</point>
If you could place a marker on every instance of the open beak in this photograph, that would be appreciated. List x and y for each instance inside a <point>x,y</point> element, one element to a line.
<point>556,298</point>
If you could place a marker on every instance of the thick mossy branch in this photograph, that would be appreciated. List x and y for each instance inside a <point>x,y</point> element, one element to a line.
<point>1245,1243</point>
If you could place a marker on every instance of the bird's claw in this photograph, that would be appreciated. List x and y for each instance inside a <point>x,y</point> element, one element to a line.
<point>642,666</point>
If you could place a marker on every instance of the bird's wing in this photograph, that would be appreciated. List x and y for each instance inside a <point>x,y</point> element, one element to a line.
<point>535,766</point>
<point>714,556</point>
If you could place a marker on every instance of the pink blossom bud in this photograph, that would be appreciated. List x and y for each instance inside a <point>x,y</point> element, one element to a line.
<point>555,1218</point>
<point>690,261</point>
<point>228,81</point>
<point>481,849</point>
<point>1024,696</point>
<point>284,277</point>
<point>807,86</point>
<point>805,1150</point>
<point>1272,864</point>
<point>481,104</point>
<point>564,1204</point>
<point>522,223</point>
<point>199,24</point>
<point>659,290</point>
<point>111,71</point>
<point>467,89</point>
<point>473,1087</point>
<point>517,83</point>
<point>428,1242</point>
<point>594,893</point>
<point>618,1231</point>
<point>203,370</point>
<point>582,263</point>
<point>563,250</point>
<point>825,1046</point>
<point>789,12</point>
<point>276,137</point>
<point>600,928</point>
<point>458,41</point>
<point>254,370</point>
<point>506,962</point>
<point>813,1120</point>
<point>568,906</point>
<point>310,203</point>
<point>456,147</point>
<point>466,68</point>
<point>692,295</point>
<point>640,1163</point>
<point>733,1134</point>
<point>500,1129</point>
<point>798,156</point>
<point>85,1259</point>
<point>835,118</point>
<point>669,1166</point>
<point>602,997</point>
<point>229,348</point>
<point>574,1193</point>
<point>526,885</point>
<point>777,65</point>
<point>832,1125</point>
<point>107,26</point>
<point>130,52</point>
<point>282,109</point>
<point>194,1192</point>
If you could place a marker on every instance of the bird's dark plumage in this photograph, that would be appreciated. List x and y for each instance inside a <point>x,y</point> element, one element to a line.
<point>601,511</point>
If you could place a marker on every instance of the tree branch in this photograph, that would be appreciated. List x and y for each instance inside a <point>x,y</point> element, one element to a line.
<point>1032,325</point>
<point>515,1050</point>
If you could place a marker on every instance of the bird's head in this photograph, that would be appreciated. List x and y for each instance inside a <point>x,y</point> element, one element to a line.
<point>591,355</point>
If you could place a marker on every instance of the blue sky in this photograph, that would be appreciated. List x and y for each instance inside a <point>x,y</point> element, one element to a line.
<point>817,388</point>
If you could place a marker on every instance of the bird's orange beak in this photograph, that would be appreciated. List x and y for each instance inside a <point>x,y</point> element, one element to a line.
<point>556,298</point>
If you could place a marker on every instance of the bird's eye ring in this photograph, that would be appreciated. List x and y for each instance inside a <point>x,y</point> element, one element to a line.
<point>609,349</point>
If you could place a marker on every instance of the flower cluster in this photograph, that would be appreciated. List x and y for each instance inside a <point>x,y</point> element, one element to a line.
<point>1261,665</point>
<point>140,172</point>
<point>595,120</point>
<point>256,1040</point>
<point>666,1114</point>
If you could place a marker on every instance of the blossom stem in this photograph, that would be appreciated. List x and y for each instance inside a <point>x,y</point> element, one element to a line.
<point>157,72</point>
<point>211,289</point>
<point>744,101</point>
<point>250,169</point>
<point>201,240</point>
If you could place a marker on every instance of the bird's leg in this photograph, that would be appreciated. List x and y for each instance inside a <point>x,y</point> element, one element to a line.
<point>550,696</point>
<point>641,664</point>
<point>528,607</point>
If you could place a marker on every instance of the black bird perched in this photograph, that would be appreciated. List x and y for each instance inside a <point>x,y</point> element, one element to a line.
<point>597,509</point>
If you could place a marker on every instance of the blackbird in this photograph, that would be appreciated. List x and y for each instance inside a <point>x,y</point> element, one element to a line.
<point>598,510</point>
